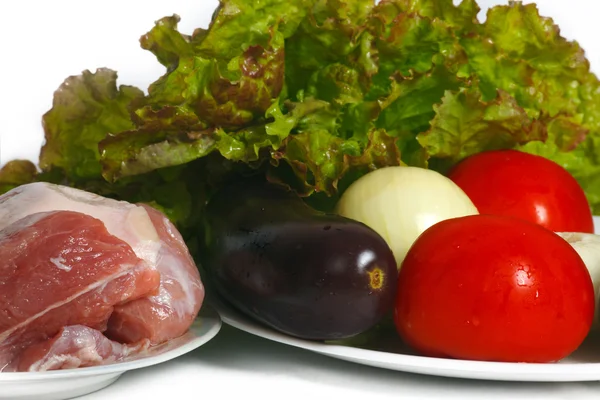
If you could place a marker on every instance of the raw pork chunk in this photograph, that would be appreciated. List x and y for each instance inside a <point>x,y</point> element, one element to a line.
<point>80,273</point>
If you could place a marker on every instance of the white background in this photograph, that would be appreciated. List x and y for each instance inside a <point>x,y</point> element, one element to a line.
<point>42,42</point>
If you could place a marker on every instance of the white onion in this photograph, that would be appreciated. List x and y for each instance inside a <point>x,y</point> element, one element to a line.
<point>587,246</point>
<point>400,203</point>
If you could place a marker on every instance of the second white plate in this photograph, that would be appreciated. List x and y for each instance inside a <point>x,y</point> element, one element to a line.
<point>583,365</point>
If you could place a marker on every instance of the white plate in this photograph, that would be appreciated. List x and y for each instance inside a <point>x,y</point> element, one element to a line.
<point>582,365</point>
<point>66,384</point>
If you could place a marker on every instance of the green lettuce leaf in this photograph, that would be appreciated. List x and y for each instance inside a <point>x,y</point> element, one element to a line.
<point>16,173</point>
<point>336,83</point>
<point>230,74</point>
<point>320,157</point>
<point>576,151</point>
<point>238,24</point>
<point>229,93</point>
<point>465,125</point>
<point>408,110</point>
<point>526,56</point>
<point>550,78</point>
<point>167,43</point>
<point>85,109</point>
<point>136,152</point>
<point>461,17</point>
<point>334,32</point>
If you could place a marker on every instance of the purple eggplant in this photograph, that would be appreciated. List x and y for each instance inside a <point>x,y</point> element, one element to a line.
<point>302,272</point>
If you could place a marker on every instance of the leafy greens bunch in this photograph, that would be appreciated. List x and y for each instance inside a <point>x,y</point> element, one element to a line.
<point>315,93</point>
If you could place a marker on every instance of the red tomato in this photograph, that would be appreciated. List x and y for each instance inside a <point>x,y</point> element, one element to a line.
<point>493,288</point>
<point>513,183</point>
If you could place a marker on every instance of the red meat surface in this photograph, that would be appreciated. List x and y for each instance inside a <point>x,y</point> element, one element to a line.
<point>59,269</point>
<point>76,346</point>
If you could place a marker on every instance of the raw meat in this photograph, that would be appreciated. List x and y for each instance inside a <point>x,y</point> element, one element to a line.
<point>156,316</point>
<point>76,346</point>
<point>59,269</point>
<point>180,293</point>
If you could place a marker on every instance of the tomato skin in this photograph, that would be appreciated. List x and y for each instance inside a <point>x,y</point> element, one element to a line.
<point>522,185</point>
<point>493,288</point>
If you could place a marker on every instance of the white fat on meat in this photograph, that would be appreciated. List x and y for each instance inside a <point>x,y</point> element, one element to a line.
<point>126,221</point>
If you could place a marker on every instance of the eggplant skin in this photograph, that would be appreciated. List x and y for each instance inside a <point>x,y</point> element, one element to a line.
<point>304,273</point>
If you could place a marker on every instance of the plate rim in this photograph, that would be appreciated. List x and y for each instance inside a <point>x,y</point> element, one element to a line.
<point>210,325</point>
<point>422,365</point>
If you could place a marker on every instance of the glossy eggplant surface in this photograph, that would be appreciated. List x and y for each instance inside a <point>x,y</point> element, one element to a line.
<point>302,272</point>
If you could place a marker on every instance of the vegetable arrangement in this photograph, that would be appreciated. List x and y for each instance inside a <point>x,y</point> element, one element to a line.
<point>331,161</point>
